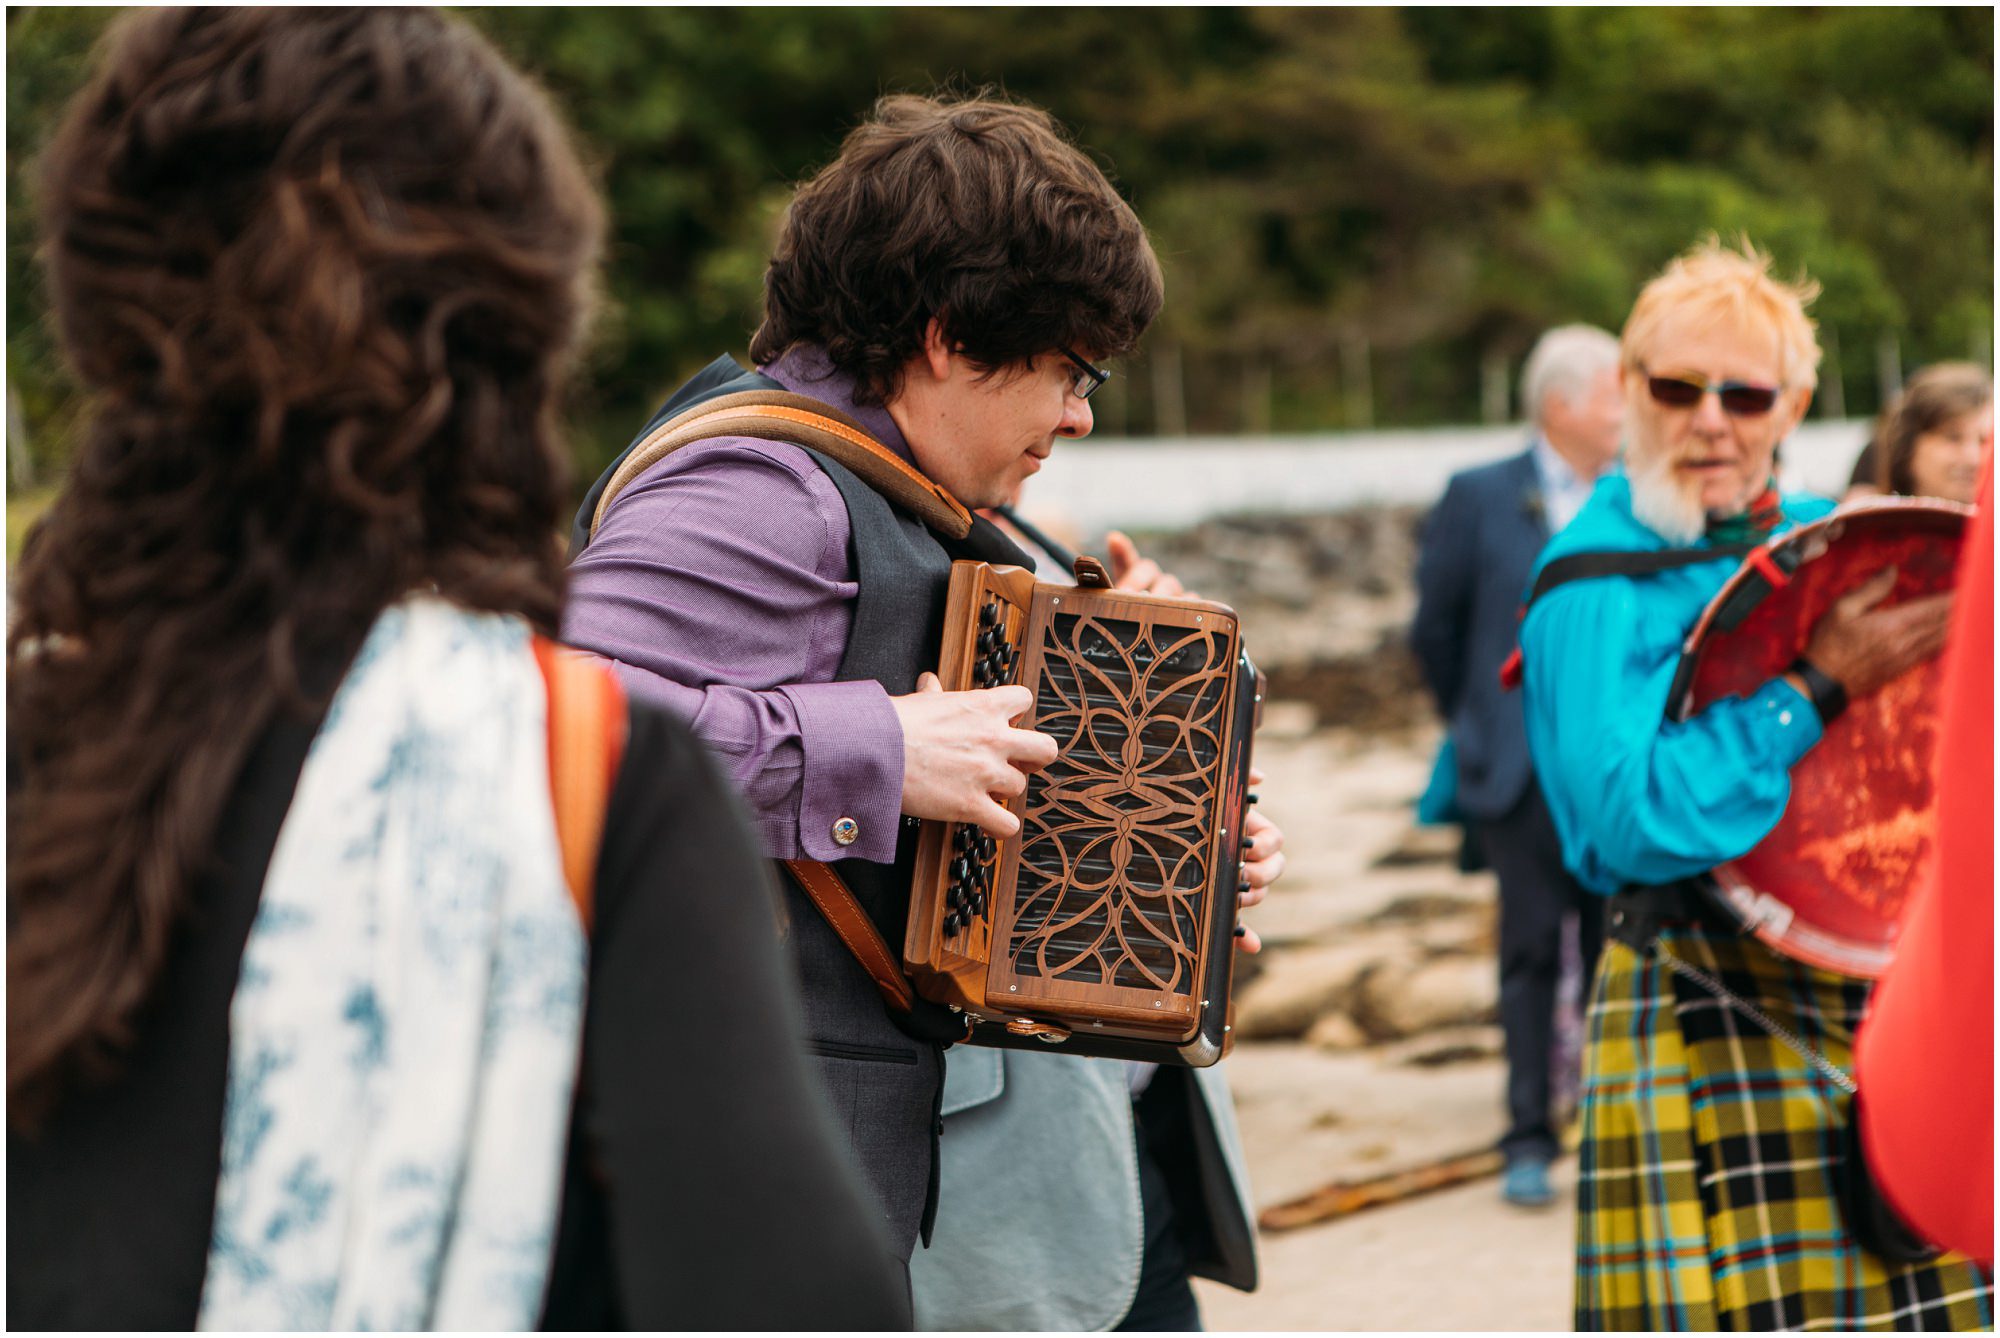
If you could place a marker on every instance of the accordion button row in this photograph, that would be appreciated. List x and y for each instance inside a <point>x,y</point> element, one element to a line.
<point>994,660</point>
<point>971,877</point>
<point>994,657</point>
<point>972,841</point>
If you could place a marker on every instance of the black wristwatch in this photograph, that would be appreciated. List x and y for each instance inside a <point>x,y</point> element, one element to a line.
<point>1828,697</point>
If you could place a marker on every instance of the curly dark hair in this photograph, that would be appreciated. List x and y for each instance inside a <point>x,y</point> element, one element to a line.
<point>974,211</point>
<point>323,272</point>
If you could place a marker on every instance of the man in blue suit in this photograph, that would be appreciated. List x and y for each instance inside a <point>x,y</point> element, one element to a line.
<point>1479,547</point>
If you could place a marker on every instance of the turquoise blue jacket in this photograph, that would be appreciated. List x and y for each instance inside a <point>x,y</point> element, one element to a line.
<point>1637,799</point>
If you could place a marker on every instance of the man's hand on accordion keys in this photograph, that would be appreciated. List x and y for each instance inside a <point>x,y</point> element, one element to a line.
<point>962,756</point>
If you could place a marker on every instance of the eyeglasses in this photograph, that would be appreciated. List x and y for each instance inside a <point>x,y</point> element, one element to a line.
<point>1739,399</point>
<point>1084,383</point>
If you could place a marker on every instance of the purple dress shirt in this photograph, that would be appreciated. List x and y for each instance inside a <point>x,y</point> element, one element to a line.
<point>720,585</point>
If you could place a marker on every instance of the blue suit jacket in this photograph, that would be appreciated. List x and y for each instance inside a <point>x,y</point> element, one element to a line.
<point>1479,548</point>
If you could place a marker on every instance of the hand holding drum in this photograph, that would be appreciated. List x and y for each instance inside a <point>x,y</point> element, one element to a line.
<point>1826,884</point>
<point>1863,646</point>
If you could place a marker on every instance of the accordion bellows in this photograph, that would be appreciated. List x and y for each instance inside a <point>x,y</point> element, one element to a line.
<point>1105,927</point>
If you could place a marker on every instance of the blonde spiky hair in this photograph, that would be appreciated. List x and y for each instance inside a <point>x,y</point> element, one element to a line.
<point>1733,284</point>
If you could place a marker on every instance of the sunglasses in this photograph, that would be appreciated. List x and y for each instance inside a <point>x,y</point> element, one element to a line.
<point>1739,398</point>
<point>1084,378</point>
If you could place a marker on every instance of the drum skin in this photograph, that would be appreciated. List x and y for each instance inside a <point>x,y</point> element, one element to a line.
<point>1827,884</point>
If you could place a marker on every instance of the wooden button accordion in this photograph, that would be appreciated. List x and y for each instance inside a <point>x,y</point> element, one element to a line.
<point>1106,925</point>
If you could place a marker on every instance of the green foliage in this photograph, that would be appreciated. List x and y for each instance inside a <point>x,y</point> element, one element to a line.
<point>46,62</point>
<point>1431,186</point>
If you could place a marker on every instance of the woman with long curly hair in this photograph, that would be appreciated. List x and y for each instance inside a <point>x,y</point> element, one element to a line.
<point>304,1028</point>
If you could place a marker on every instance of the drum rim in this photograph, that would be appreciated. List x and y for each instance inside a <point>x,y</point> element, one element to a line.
<point>1679,699</point>
<point>1729,887</point>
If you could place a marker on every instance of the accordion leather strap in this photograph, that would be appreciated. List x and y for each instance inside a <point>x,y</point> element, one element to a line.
<point>774,415</point>
<point>836,902</point>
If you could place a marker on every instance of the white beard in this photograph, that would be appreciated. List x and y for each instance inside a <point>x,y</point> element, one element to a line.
<point>1662,504</point>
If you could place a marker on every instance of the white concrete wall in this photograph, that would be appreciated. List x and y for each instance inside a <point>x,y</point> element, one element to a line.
<point>1088,487</point>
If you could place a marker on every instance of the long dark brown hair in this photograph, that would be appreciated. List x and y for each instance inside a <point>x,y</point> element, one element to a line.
<point>323,273</point>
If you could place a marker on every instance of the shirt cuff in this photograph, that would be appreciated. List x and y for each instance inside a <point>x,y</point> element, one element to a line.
<point>851,793</point>
<point>1794,720</point>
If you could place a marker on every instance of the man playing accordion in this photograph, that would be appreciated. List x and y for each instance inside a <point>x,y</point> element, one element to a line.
<point>943,290</point>
<point>1715,1088</point>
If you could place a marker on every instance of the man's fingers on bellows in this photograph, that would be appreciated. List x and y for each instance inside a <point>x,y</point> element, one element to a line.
<point>929,682</point>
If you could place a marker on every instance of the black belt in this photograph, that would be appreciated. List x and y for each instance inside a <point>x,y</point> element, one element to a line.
<point>1638,913</point>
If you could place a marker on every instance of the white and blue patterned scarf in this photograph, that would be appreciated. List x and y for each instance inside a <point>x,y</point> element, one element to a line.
<point>404,1039</point>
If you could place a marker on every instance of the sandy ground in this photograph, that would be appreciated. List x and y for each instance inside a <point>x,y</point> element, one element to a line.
<point>1453,1259</point>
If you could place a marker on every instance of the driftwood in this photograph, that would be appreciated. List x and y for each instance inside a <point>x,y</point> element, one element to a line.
<point>1343,1198</point>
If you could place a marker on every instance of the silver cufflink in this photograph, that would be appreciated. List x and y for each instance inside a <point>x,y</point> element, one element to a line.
<point>846,831</point>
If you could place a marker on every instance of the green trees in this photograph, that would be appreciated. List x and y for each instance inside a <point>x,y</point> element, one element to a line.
<point>1364,214</point>
<point>46,52</point>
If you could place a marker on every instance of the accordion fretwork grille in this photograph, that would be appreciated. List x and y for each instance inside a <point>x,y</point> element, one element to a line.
<point>1115,858</point>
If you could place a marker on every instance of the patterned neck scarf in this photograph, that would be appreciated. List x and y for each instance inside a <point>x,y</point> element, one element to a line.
<point>1751,525</point>
<point>404,1037</point>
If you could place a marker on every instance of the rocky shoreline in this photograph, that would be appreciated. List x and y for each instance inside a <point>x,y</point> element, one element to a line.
<point>1326,602</point>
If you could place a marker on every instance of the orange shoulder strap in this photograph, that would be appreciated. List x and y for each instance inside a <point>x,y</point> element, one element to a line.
<point>587,727</point>
<point>776,415</point>
<point>837,902</point>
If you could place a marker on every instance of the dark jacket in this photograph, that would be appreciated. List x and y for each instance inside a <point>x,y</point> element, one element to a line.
<point>1479,548</point>
<point>696,1119</point>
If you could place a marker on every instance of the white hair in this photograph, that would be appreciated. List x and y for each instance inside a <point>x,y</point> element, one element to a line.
<point>1564,362</point>
<point>1662,503</point>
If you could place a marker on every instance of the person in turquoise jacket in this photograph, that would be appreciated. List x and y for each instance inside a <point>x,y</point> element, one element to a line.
<point>1715,1070</point>
<point>1641,800</point>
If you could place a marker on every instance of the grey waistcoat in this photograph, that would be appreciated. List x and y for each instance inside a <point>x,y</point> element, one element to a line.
<point>884,1086</point>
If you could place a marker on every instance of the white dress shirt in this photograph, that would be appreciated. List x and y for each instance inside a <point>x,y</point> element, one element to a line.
<point>1564,491</point>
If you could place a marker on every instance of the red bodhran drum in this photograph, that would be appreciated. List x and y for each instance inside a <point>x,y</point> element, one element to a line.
<point>1827,884</point>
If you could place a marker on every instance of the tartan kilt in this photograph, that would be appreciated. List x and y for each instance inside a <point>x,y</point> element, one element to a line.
<point>1705,1191</point>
